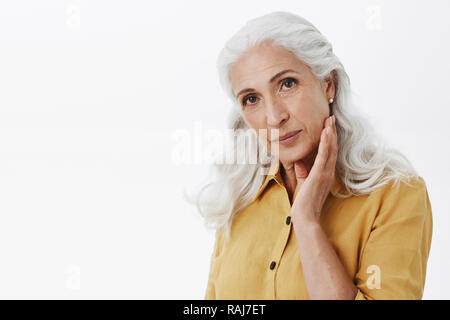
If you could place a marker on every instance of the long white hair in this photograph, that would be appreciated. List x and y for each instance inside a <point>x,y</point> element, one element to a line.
<point>364,162</point>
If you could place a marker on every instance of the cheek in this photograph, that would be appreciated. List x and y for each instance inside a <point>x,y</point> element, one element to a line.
<point>315,129</point>
<point>307,116</point>
<point>255,119</point>
<point>310,118</point>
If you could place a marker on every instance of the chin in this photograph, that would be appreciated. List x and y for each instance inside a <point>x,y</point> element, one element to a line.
<point>293,153</point>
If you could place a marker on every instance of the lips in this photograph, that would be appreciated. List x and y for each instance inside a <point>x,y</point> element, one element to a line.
<point>286,136</point>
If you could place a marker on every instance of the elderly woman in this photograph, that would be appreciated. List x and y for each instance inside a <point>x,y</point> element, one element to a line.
<point>338,215</point>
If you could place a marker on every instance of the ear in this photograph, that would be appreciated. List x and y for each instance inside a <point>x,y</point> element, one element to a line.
<point>329,86</point>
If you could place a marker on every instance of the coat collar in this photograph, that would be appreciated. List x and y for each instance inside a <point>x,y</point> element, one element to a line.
<point>274,174</point>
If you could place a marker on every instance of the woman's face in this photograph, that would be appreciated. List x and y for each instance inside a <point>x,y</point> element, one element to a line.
<point>294,101</point>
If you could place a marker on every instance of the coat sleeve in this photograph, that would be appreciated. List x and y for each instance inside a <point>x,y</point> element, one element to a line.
<point>210,293</point>
<point>393,262</point>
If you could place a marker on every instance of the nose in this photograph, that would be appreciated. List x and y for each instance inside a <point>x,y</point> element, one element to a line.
<point>276,113</point>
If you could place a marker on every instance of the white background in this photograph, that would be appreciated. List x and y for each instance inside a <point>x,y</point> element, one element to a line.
<point>91,92</point>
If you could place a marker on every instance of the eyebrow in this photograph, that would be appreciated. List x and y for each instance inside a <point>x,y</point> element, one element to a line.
<point>279,74</point>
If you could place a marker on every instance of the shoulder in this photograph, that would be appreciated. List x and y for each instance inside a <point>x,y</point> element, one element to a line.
<point>220,237</point>
<point>403,199</point>
<point>395,189</point>
<point>401,190</point>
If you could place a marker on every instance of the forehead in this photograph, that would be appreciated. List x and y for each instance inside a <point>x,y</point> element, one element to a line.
<point>260,63</point>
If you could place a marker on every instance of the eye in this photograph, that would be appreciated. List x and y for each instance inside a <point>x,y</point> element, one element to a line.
<point>251,97</point>
<point>288,81</point>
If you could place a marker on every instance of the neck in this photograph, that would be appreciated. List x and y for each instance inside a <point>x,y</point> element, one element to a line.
<point>288,172</point>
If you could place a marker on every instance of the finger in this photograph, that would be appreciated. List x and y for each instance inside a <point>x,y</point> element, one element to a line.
<point>301,173</point>
<point>322,153</point>
<point>333,148</point>
<point>335,137</point>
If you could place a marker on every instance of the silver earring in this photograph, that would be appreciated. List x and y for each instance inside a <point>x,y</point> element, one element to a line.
<point>331,100</point>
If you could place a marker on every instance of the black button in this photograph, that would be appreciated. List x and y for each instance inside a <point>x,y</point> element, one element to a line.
<point>288,220</point>
<point>272,265</point>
